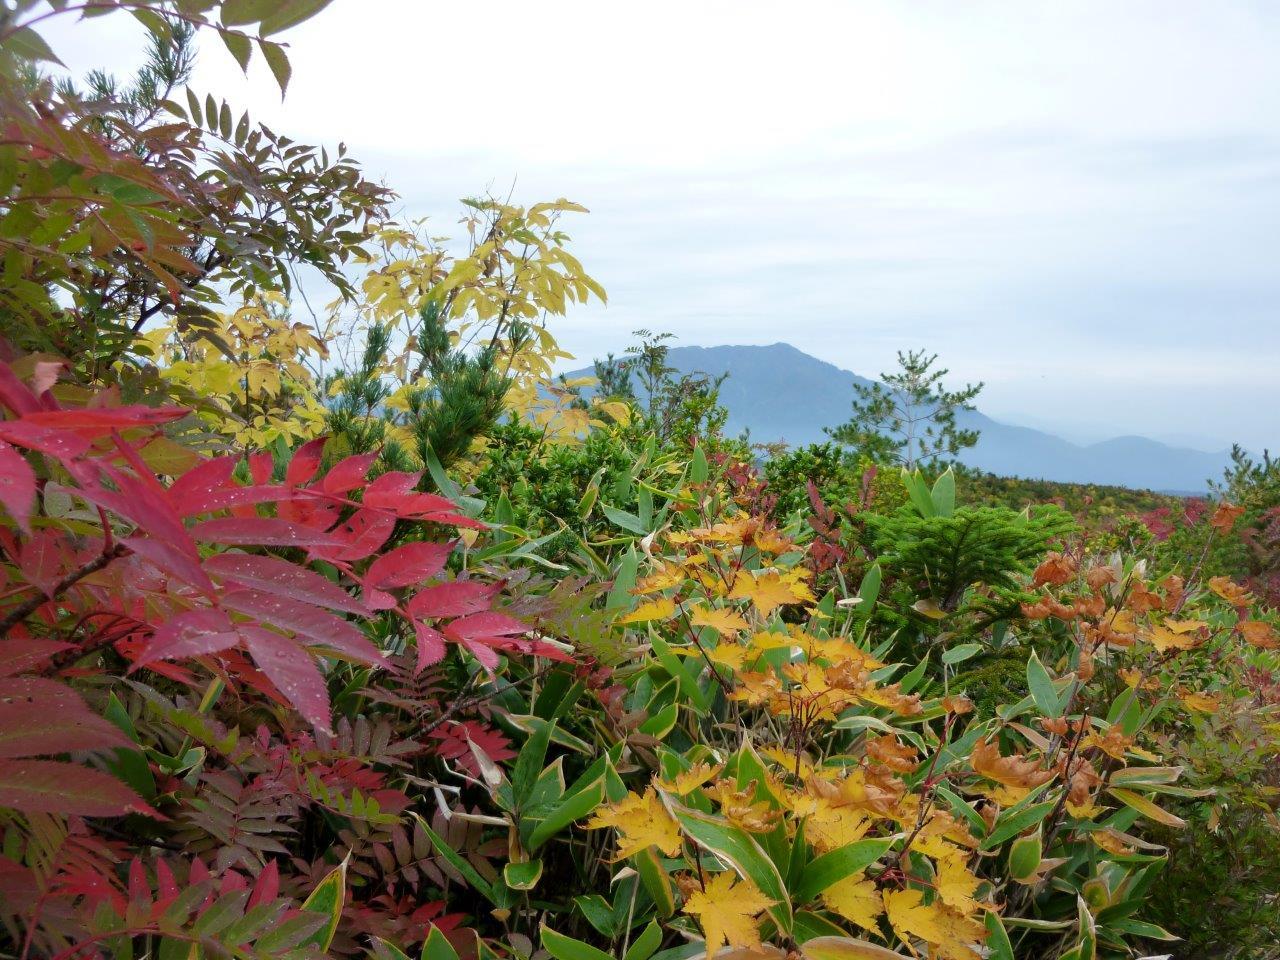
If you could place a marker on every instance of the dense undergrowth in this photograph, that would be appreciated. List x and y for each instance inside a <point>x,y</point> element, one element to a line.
<point>364,635</point>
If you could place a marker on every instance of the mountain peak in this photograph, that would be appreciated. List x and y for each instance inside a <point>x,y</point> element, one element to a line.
<point>778,392</point>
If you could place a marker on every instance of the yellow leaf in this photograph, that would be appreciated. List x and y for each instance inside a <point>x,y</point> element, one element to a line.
<point>658,609</point>
<point>1145,807</point>
<point>768,591</point>
<point>641,822</point>
<point>857,900</point>
<point>727,909</point>
<point>720,619</point>
<point>686,781</point>
<point>911,917</point>
<point>956,883</point>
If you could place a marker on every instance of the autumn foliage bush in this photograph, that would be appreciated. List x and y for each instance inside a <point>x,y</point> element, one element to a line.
<point>366,636</point>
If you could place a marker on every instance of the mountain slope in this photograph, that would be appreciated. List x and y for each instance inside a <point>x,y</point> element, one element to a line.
<point>780,393</point>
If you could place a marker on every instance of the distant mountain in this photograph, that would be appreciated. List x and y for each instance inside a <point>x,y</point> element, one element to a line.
<point>780,393</point>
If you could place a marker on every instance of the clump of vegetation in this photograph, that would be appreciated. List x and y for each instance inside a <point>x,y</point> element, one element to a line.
<point>370,636</point>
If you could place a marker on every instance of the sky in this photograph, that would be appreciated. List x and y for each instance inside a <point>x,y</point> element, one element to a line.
<point>1076,203</point>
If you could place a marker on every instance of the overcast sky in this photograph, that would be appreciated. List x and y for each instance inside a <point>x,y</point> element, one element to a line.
<point>1077,202</point>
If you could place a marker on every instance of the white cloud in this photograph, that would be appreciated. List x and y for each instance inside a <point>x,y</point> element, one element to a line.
<point>1078,203</point>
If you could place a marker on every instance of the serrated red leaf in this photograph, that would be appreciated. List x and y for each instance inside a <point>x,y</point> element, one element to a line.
<point>348,473</point>
<point>267,887</point>
<point>292,671</point>
<point>407,565</point>
<point>283,579</point>
<point>261,466</point>
<point>41,717</point>
<point>57,443</point>
<point>262,531</point>
<point>50,786</point>
<point>306,461</point>
<point>481,626</point>
<point>454,599</point>
<point>359,537</point>
<point>23,653</point>
<point>431,644</point>
<point>15,394</point>
<point>311,623</point>
<point>139,886</point>
<point>192,633</point>
<point>193,488</point>
<point>17,486</point>
<point>96,419</point>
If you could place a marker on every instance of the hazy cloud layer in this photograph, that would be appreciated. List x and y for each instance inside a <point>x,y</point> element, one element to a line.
<point>1077,203</point>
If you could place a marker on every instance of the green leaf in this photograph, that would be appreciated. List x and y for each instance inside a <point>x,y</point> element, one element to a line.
<point>656,880</point>
<point>623,519</point>
<point>624,580</point>
<point>567,948</point>
<point>327,899</point>
<point>529,762</point>
<point>738,849</point>
<point>699,469</point>
<point>961,653</point>
<point>278,61</point>
<point>919,493</point>
<point>644,945</point>
<point>835,866</point>
<point>598,913</point>
<point>437,947</point>
<point>240,46</point>
<point>1042,689</point>
<point>943,495</point>
<point>459,862</point>
<point>522,876</point>
<point>569,809</point>
<point>997,939</point>
<point>1013,821</point>
<point>290,13</point>
<point>29,45</point>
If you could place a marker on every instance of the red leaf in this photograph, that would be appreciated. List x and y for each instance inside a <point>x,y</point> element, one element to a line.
<point>139,886</point>
<point>190,490</point>
<point>348,473</point>
<point>359,537</point>
<point>305,462</point>
<point>192,633</point>
<point>15,394</point>
<point>283,579</point>
<point>403,566</point>
<point>267,887</point>
<point>23,653</point>
<point>261,466</point>
<point>56,443</point>
<point>44,559</point>
<point>309,622</point>
<point>454,599</point>
<point>17,486</point>
<point>430,644</point>
<point>105,418</point>
<point>291,669</point>
<point>49,786</point>
<point>39,716</point>
<point>262,531</point>
<point>482,626</point>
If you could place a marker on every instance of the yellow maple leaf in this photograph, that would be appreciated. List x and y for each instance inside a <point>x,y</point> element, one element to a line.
<point>724,621</point>
<point>956,883</point>
<point>658,609</point>
<point>686,781</point>
<point>857,900</point>
<point>641,822</point>
<point>727,909</point>
<point>768,591</point>
<point>1176,635</point>
<point>912,918</point>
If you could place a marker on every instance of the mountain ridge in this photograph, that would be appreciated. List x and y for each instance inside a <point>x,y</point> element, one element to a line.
<point>780,393</point>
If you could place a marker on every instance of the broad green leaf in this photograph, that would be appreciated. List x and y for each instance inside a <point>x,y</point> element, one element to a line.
<point>327,899</point>
<point>645,944</point>
<point>1042,689</point>
<point>522,876</point>
<point>567,948</point>
<point>571,808</point>
<point>1144,806</point>
<point>438,947</point>
<point>943,494</point>
<point>961,653</point>
<point>838,864</point>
